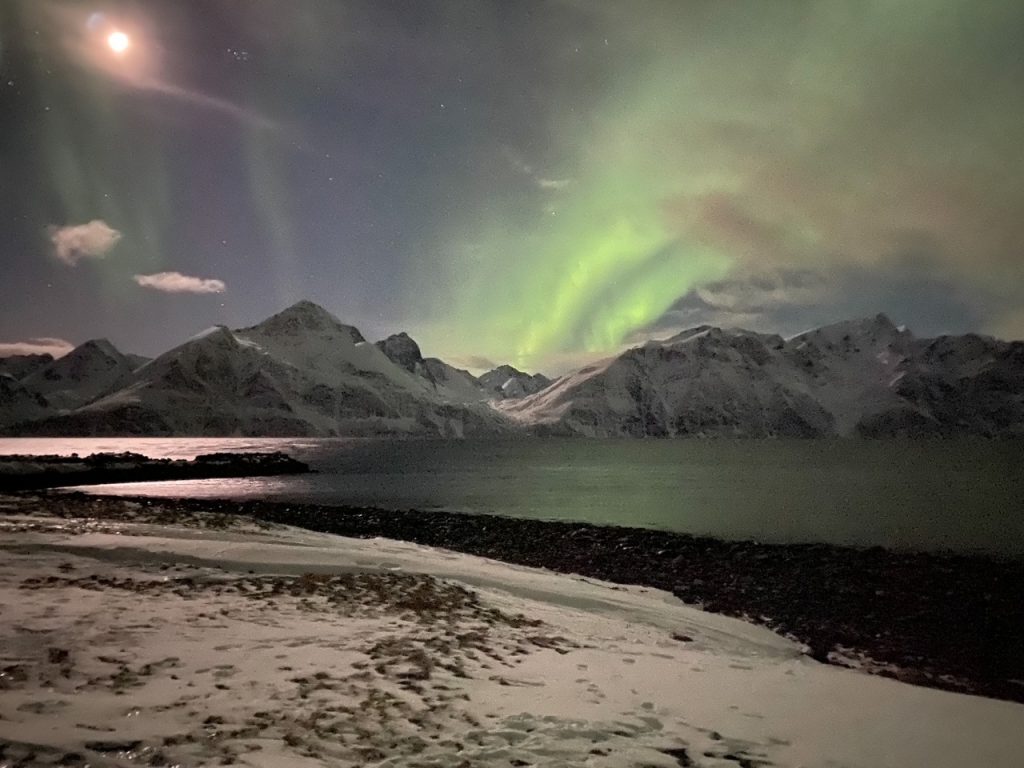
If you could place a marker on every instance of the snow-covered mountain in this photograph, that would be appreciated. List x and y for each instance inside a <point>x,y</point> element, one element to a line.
<point>304,372</point>
<point>85,373</point>
<point>502,382</point>
<point>862,377</point>
<point>455,384</point>
<point>18,403</point>
<point>20,366</point>
<point>300,372</point>
<point>508,382</point>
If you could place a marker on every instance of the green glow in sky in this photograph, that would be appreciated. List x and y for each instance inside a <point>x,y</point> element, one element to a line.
<point>537,184</point>
<point>728,144</point>
<point>596,256</point>
<point>594,269</point>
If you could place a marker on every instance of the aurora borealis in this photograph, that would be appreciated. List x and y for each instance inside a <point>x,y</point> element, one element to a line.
<point>535,183</point>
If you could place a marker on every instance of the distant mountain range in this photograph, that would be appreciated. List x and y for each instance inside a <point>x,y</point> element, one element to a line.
<point>304,372</point>
<point>300,372</point>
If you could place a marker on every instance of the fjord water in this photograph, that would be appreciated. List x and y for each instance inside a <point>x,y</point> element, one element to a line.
<point>962,495</point>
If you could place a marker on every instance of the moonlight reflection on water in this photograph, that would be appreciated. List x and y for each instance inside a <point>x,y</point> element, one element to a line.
<point>894,494</point>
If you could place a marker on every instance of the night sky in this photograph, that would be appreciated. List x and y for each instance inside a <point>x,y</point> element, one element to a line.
<point>525,182</point>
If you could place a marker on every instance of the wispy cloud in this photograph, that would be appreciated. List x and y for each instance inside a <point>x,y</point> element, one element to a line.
<point>175,282</point>
<point>553,184</point>
<point>40,346</point>
<point>911,289</point>
<point>527,169</point>
<point>74,242</point>
<point>473,362</point>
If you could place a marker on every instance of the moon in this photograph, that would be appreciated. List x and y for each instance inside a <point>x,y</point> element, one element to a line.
<point>118,42</point>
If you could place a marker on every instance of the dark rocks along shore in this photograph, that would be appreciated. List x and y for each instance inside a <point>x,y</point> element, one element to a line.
<point>18,472</point>
<point>942,620</point>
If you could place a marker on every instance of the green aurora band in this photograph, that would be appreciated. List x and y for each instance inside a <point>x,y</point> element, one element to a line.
<point>733,139</point>
<point>700,141</point>
<point>596,256</point>
<point>600,264</point>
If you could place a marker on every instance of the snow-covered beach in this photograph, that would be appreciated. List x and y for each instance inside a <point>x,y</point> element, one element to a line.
<point>165,638</point>
<point>941,619</point>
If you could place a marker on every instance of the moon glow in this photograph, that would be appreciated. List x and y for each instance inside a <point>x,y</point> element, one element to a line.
<point>118,42</point>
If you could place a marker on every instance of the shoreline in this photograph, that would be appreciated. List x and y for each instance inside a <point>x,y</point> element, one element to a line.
<point>151,635</point>
<point>25,472</point>
<point>947,621</point>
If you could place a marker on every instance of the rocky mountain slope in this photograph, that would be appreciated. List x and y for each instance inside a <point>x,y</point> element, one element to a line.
<point>501,382</point>
<point>300,372</point>
<point>82,375</point>
<point>856,378</point>
<point>304,372</point>
<point>18,403</point>
<point>20,366</point>
<point>508,382</point>
<point>455,383</point>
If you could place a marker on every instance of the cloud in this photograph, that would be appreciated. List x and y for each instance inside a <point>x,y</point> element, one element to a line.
<point>554,184</point>
<point>74,242</point>
<point>175,282</point>
<point>40,346</point>
<point>759,293</point>
<point>473,362</point>
<point>759,148</point>
<point>914,289</point>
<point>527,169</point>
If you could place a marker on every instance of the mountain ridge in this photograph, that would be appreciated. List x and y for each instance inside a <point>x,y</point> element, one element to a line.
<point>304,372</point>
<point>856,378</point>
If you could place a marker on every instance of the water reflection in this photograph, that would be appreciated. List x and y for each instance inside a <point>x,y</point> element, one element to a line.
<point>960,495</point>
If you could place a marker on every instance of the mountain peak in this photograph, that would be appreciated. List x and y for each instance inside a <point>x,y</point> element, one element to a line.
<point>308,311</point>
<point>880,321</point>
<point>511,382</point>
<point>102,346</point>
<point>401,350</point>
<point>87,371</point>
<point>305,305</point>
<point>215,335</point>
<point>507,370</point>
<point>867,329</point>
<point>305,315</point>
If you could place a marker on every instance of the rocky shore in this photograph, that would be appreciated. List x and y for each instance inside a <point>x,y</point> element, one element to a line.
<point>18,473</point>
<point>156,634</point>
<point>938,620</point>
